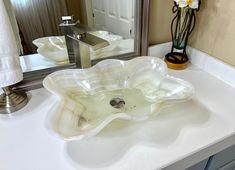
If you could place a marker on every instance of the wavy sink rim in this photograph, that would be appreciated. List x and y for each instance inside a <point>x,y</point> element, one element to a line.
<point>84,108</point>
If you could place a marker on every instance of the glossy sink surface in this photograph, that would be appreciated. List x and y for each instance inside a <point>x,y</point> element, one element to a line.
<point>106,35</point>
<point>89,99</point>
<point>53,48</point>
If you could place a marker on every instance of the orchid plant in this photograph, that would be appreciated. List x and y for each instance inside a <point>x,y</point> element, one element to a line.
<point>182,26</point>
<point>194,4</point>
<point>186,21</point>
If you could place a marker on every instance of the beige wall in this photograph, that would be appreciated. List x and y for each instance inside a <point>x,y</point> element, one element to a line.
<point>160,21</point>
<point>82,11</point>
<point>215,29</point>
<point>74,8</point>
<point>214,32</point>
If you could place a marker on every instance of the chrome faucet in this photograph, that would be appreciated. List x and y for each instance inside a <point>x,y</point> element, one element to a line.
<point>88,42</point>
<point>67,25</point>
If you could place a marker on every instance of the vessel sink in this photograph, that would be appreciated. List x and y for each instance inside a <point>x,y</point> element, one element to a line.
<point>53,48</point>
<point>90,99</point>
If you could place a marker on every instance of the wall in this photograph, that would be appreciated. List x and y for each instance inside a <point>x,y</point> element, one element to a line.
<point>82,11</point>
<point>74,8</point>
<point>215,29</point>
<point>160,21</point>
<point>87,13</point>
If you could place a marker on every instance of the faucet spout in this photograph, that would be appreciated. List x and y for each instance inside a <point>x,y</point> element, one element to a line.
<point>77,35</point>
<point>88,42</point>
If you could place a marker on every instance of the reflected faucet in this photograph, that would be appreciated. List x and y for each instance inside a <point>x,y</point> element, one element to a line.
<point>84,42</point>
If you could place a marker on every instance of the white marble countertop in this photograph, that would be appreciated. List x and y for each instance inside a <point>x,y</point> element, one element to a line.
<point>179,137</point>
<point>36,61</point>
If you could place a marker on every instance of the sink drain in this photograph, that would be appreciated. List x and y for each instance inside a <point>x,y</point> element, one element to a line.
<point>117,103</point>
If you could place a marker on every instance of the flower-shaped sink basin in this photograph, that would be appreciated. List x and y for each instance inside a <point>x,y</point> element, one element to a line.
<point>112,89</point>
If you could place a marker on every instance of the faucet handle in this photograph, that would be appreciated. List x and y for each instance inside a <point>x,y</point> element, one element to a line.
<point>68,21</point>
<point>80,36</point>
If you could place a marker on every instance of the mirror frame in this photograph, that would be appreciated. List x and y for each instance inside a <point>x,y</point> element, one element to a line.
<point>33,79</point>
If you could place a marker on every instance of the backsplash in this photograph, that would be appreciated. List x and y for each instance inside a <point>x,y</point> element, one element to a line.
<point>209,64</point>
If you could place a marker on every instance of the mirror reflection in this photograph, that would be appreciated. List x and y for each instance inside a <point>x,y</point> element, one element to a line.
<point>43,40</point>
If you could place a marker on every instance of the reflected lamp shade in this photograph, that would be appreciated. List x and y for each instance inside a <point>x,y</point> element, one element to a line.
<point>10,69</point>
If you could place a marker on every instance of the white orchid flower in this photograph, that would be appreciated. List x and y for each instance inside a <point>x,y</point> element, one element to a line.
<point>193,4</point>
<point>190,3</point>
<point>181,3</point>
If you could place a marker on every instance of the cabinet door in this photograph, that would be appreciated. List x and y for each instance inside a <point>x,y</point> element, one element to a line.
<point>222,159</point>
<point>229,166</point>
<point>199,166</point>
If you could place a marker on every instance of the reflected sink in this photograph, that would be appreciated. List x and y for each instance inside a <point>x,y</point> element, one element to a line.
<point>89,99</point>
<point>106,36</point>
<point>53,48</point>
<point>117,47</point>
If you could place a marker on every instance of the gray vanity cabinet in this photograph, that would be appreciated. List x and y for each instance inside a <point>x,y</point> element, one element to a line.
<point>224,160</point>
<point>199,166</point>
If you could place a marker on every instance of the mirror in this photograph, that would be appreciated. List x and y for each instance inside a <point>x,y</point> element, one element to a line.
<point>43,40</point>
